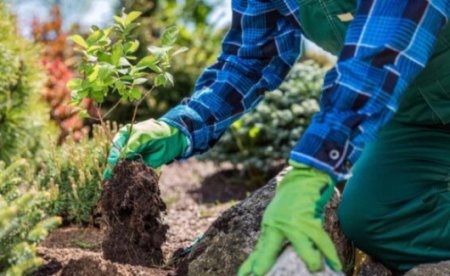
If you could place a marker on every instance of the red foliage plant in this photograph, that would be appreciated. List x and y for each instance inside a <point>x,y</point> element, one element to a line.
<point>57,58</point>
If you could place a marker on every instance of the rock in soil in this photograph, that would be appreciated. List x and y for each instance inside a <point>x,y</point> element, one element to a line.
<point>288,264</point>
<point>132,208</point>
<point>77,262</point>
<point>438,269</point>
<point>232,237</point>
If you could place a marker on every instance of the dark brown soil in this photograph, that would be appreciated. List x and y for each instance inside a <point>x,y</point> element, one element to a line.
<point>77,262</point>
<point>86,238</point>
<point>132,207</point>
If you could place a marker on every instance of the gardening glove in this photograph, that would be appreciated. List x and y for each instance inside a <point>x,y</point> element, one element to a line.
<point>154,142</point>
<point>296,214</point>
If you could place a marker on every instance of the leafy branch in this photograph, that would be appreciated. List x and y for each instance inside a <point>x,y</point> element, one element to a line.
<point>109,64</point>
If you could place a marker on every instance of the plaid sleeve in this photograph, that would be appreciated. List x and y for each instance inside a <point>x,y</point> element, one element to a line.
<point>260,48</point>
<point>387,45</point>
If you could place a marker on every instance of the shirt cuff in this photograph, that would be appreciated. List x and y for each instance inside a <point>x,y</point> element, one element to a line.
<point>191,125</point>
<point>327,149</point>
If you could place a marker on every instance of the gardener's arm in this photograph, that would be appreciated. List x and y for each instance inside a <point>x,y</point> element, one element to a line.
<point>387,45</point>
<point>262,45</point>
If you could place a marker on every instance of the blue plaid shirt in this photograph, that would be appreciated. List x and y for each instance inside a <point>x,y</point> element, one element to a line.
<point>387,45</point>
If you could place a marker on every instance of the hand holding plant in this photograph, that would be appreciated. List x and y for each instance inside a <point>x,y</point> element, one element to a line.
<point>110,66</point>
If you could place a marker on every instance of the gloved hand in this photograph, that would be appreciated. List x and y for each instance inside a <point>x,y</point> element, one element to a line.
<point>155,142</point>
<point>295,214</point>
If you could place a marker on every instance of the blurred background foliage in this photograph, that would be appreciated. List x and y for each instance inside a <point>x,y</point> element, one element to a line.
<point>23,117</point>
<point>57,57</point>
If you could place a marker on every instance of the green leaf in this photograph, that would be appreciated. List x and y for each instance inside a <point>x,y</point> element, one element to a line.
<point>254,131</point>
<point>93,48</point>
<point>155,68</point>
<point>169,37</point>
<point>132,16</point>
<point>147,61</point>
<point>123,71</point>
<point>93,76</point>
<point>124,62</point>
<point>160,80</point>
<point>94,37</point>
<point>169,78</point>
<point>158,51</point>
<point>103,57</point>
<point>116,53</point>
<point>105,71</point>
<point>140,81</point>
<point>179,51</point>
<point>135,94</point>
<point>121,87</point>
<point>119,20</point>
<point>131,47</point>
<point>78,39</point>
<point>108,31</point>
<point>74,84</point>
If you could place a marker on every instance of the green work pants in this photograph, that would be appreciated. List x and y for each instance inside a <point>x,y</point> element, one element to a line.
<point>396,207</point>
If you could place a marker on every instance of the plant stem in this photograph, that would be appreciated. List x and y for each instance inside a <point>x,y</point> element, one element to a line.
<point>133,119</point>
<point>112,109</point>
<point>102,122</point>
<point>104,127</point>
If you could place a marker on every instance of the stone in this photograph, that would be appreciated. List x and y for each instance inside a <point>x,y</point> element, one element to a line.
<point>437,269</point>
<point>232,237</point>
<point>288,264</point>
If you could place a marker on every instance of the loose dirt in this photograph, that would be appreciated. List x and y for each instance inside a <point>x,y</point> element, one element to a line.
<point>132,207</point>
<point>77,262</point>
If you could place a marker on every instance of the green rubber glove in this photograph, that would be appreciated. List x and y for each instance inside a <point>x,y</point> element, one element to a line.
<point>154,142</point>
<point>296,214</point>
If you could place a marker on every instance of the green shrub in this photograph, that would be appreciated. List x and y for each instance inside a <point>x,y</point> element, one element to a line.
<point>73,172</point>
<point>23,221</point>
<point>22,116</point>
<point>268,133</point>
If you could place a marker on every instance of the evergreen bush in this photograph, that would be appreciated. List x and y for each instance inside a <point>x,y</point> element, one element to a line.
<point>73,172</point>
<point>23,220</point>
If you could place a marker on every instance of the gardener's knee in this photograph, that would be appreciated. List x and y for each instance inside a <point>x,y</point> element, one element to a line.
<point>351,220</point>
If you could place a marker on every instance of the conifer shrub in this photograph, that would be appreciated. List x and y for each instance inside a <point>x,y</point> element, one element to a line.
<point>23,219</point>
<point>73,173</point>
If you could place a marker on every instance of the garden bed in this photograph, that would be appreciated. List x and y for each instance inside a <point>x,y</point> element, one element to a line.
<point>195,194</point>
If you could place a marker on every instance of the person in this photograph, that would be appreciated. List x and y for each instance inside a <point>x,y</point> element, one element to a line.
<point>383,125</point>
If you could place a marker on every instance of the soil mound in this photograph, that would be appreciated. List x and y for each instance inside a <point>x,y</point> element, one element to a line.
<point>132,208</point>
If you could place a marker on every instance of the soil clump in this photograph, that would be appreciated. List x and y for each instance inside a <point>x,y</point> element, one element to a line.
<point>132,207</point>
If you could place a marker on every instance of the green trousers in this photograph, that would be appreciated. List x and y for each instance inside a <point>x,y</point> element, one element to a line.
<point>396,206</point>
